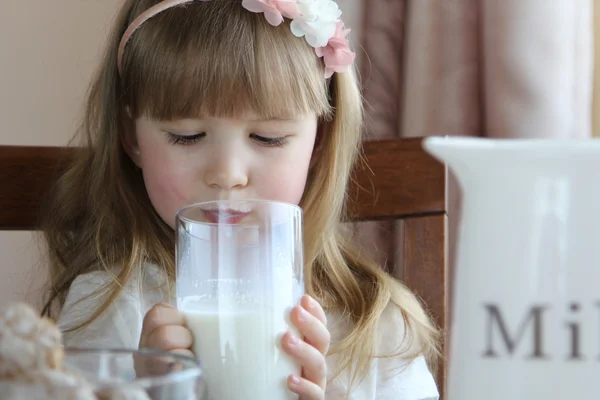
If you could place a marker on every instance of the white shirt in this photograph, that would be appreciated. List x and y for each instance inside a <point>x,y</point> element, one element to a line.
<point>121,324</point>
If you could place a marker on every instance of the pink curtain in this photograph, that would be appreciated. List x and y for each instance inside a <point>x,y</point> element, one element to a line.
<point>495,68</point>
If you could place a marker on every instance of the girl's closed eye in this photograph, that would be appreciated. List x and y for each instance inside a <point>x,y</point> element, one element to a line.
<point>177,138</point>
<point>269,141</point>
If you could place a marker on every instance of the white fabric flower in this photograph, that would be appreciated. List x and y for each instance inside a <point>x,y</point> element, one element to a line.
<point>317,21</point>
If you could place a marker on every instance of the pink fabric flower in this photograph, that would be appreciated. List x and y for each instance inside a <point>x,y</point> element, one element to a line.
<point>337,54</point>
<point>274,10</point>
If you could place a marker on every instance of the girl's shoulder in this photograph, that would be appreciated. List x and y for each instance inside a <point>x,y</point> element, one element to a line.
<point>392,336</point>
<point>391,375</point>
<point>122,316</point>
<point>92,284</point>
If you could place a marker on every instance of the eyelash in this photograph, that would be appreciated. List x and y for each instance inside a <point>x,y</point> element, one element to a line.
<point>269,142</point>
<point>175,139</point>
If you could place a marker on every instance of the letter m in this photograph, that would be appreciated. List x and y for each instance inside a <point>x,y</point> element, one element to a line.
<point>495,322</point>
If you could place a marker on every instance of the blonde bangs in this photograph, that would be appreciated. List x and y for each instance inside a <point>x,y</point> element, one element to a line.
<point>230,63</point>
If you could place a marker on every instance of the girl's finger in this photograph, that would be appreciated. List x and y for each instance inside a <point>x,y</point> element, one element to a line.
<point>159,315</point>
<point>311,328</point>
<point>306,389</point>
<point>170,337</point>
<point>313,363</point>
<point>313,307</point>
<point>184,352</point>
<point>148,364</point>
<point>177,365</point>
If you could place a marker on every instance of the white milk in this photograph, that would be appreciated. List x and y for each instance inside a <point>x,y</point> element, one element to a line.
<point>241,355</point>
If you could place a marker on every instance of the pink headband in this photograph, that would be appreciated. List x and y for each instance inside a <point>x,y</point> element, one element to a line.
<point>318,21</point>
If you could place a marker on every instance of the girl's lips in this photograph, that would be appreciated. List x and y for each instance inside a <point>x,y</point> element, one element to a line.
<point>225,216</point>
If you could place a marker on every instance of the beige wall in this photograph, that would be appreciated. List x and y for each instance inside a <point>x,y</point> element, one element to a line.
<point>49,48</point>
<point>48,52</point>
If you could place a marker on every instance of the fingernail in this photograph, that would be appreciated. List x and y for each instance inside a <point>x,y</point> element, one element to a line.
<point>293,340</point>
<point>294,380</point>
<point>303,315</point>
<point>313,303</point>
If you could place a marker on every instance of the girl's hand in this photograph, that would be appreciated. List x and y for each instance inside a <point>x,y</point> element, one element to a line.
<point>310,320</point>
<point>163,329</point>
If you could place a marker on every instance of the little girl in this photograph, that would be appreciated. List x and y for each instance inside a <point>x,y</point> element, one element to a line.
<point>228,99</point>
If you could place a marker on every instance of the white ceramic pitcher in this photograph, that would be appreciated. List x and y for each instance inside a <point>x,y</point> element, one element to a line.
<point>526,314</point>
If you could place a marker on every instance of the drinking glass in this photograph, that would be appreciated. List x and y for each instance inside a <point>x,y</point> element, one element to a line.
<point>135,374</point>
<point>239,274</point>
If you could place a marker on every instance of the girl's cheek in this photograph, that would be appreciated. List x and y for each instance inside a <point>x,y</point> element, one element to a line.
<point>167,191</point>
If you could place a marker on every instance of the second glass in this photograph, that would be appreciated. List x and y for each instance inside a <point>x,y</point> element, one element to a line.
<point>239,274</point>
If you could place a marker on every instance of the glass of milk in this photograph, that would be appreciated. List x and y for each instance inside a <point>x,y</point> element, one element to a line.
<point>239,274</point>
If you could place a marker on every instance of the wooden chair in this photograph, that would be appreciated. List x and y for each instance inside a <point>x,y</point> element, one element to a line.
<point>398,181</point>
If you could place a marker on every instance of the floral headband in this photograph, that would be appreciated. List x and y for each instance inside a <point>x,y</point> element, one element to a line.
<point>318,21</point>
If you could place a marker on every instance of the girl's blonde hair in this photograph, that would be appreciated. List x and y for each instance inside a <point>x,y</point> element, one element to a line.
<point>216,58</point>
